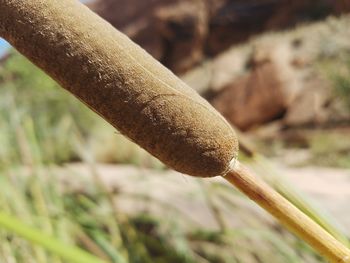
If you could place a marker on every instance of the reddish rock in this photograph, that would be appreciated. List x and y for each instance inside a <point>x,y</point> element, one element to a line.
<point>173,31</point>
<point>183,30</point>
<point>180,33</point>
<point>309,107</point>
<point>316,105</point>
<point>263,94</point>
<point>342,7</point>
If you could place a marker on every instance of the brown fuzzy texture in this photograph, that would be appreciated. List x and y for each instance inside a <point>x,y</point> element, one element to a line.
<point>121,82</point>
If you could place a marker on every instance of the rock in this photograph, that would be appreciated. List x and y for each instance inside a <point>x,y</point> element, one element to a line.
<point>183,28</point>
<point>236,21</point>
<point>309,108</point>
<point>341,7</point>
<point>214,74</point>
<point>285,78</point>
<point>264,93</point>
<point>173,31</point>
<point>181,33</point>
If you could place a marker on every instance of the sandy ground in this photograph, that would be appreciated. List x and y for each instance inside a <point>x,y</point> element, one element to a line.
<point>168,193</point>
<point>327,187</point>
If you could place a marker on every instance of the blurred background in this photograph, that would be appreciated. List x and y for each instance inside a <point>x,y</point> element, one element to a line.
<point>278,70</point>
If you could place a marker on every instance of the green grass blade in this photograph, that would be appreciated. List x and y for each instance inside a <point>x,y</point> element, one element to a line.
<point>68,253</point>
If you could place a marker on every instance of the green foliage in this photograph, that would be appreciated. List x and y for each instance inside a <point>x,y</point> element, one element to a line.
<point>34,106</point>
<point>70,253</point>
<point>330,149</point>
<point>35,109</point>
<point>87,220</point>
<point>341,80</point>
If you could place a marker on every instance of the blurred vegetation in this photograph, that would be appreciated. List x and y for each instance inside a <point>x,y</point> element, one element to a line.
<point>323,148</point>
<point>34,107</point>
<point>42,127</point>
<point>332,147</point>
<point>341,80</point>
<point>338,156</point>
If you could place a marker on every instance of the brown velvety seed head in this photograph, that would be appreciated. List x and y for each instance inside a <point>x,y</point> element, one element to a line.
<point>122,83</point>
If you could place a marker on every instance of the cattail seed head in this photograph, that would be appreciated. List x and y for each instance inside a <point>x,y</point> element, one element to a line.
<point>122,83</point>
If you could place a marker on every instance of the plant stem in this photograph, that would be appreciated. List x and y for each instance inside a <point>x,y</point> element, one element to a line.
<point>288,214</point>
<point>297,198</point>
<point>269,173</point>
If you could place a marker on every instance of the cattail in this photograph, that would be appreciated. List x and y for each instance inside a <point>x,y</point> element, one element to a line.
<point>121,82</point>
<point>143,100</point>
